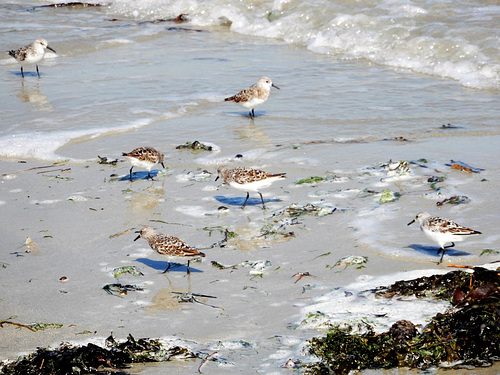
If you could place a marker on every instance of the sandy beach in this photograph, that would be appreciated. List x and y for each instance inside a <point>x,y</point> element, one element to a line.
<point>82,217</point>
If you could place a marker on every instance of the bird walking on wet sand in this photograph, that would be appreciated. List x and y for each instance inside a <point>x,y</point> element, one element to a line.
<point>170,246</point>
<point>442,231</point>
<point>253,96</point>
<point>248,179</point>
<point>144,157</point>
<point>31,54</point>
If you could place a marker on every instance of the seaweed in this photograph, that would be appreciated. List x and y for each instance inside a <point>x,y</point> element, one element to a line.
<point>73,4</point>
<point>194,146</point>
<point>106,160</point>
<point>310,180</point>
<point>468,335</point>
<point>387,196</point>
<point>295,210</point>
<point>44,326</point>
<point>8,321</point>
<point>455,200</point>
<point>94,359</point>
<point>117,289</point>
<point>191,298</point>
<point>132,270</point>
<point>350,260</point>
<point>464,167</point>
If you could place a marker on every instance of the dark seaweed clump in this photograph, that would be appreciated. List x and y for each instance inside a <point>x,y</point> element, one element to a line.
<point>468,334</point>
<point>195,146</point>
<point>93,359</point>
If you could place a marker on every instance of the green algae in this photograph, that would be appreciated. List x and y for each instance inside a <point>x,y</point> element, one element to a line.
<point>310,180</point>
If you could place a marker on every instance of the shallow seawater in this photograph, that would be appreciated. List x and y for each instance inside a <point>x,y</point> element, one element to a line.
<point>119,81</point>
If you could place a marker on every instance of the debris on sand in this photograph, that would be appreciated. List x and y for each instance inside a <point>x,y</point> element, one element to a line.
<point>194,146</point>
<point>466,335</point>
<point>94,359</point>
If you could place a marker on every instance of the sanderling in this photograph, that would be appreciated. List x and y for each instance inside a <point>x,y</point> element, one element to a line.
<point>248,179</point>
<point>170,246</point>
<point>253,96</point>
<point>31,54</point>
<point>144,157</point>
<point>442,231</point>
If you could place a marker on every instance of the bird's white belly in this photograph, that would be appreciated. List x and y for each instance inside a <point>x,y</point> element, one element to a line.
<point>443,238</point>
<point>143,164</point>
<point>252,186</point>
<point>252,103</point>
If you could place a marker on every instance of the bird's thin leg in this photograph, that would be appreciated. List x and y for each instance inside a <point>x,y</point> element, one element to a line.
<point>168,267</point>
<point>442,255</point>
<point>188,270</point>
<point>262,200</point>
<point>251,114</point>
<point>131,173</point>
<point>244,203</point>
<point>442,249</point>
<point>149,175</point>
<point>22,72</point>
<point>37,71</point>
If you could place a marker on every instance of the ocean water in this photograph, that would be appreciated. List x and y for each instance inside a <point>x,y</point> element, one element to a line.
<point>358,69</point>
<point>361,84</point>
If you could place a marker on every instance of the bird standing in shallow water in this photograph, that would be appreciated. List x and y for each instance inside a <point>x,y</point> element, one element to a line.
<point>168,245</point>
<point>248,179</point>
<point>254,95</point>
<point>144,157</point>
<point>31,54</point>
<point>442,231</point>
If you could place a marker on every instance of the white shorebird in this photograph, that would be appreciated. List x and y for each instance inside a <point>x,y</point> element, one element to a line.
<point>442,231</point>
<point>31,54</point>
<point>248,179</point>
<point>254,95</point>
<point>170,246</point>
<point>144,157</point>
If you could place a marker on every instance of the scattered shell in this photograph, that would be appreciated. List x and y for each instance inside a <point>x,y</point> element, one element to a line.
<point>30,245</point>
<point>397,168</point>
<point>291,364</point>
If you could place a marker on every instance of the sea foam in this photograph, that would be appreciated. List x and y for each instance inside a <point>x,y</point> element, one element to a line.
<point>451,40</point>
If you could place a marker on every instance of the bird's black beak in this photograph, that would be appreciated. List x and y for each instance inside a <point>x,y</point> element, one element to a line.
<point>273,85</point>
<point>216,178</point>
<point>52,49</point>
<point>163,165</point>
<point>411,222</point>
<point>139,236</point>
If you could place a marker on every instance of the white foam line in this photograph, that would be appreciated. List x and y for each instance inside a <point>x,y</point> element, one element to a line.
<point>43,146</point>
